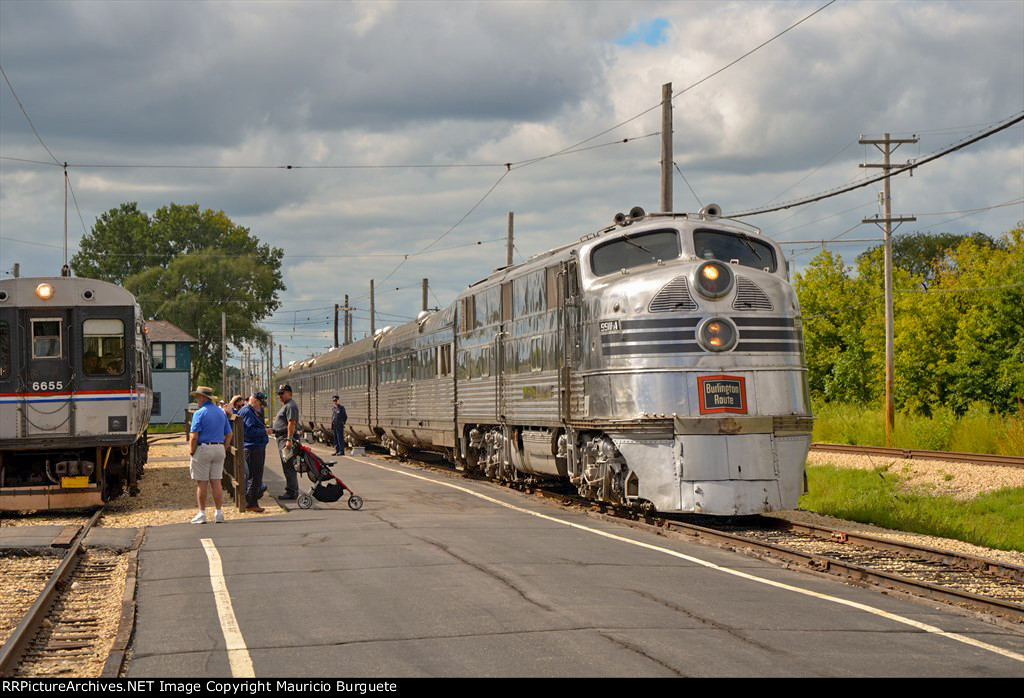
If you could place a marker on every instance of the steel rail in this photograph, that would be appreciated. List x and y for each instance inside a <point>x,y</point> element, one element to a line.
<point>953,456</point>
<point>824,563</point>
<point>12,650</point>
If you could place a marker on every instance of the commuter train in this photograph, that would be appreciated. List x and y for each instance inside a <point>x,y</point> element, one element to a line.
<point>75,392</point>
<point>657,364</point>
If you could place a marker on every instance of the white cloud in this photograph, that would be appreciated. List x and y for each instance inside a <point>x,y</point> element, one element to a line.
<point>441,83</point>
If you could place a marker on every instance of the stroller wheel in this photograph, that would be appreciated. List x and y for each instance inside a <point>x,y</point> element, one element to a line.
<point>355,502</point>
<point>304,501</point>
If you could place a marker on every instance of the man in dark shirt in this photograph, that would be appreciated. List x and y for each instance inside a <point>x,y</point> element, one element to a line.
<point>338,419</point>
<point>256,441</point>
<point>285,427</point>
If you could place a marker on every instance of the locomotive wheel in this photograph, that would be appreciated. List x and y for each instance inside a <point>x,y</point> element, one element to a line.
<point>304,501</point>
<point>355,502</point>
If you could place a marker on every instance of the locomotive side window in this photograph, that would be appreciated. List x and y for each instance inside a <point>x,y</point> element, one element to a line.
<point>5,351</point>
<point>46,339</point>
<point>631,251</point>
<point>726,247</point>
<point>103,347</point>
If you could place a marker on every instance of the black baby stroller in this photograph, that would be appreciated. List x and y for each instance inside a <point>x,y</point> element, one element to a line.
<point>327,487</point>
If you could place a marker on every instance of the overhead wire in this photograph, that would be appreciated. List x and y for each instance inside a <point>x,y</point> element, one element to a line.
<point>27,117</point>
<point>895,170</point>
<point>682,91</point>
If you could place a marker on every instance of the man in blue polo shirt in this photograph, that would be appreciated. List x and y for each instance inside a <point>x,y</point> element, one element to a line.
<point>208,441</point>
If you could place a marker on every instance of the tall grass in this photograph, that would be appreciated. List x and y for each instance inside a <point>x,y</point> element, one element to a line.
<point>979,430</point>
<point>993,520</point>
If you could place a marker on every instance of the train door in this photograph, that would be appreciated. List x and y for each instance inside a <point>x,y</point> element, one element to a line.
<point>501,343</point>
<point>569,307</point>
<point>46,376</point>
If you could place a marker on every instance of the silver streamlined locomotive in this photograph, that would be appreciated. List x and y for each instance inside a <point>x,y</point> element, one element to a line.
<point>658,363</point>
<point>75,392</point>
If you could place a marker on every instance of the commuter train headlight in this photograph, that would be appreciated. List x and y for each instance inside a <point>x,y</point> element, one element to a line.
<point>44,291</point>
<point>713,279</point>
<point>716,334</point>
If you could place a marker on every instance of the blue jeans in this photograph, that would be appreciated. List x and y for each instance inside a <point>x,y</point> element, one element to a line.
<point>339,439</point>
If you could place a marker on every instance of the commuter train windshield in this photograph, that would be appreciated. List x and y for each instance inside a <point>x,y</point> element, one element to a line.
<point>726,247</point>
<point>631,251</point>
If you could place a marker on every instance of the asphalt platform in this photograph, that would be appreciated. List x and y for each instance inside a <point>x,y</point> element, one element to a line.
<point>429,580</point>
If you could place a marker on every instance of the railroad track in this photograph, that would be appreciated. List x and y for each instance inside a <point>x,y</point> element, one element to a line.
<point>65,632</point>
<point>993,588</point>
<point>976,458</point>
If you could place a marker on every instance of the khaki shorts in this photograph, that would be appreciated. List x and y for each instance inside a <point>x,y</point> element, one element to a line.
<point>207,463</point>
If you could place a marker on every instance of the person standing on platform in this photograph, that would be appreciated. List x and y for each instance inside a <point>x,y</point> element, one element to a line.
<point>256,441</point>
<point>338,419</point>
<point>209,438</point>
<point>285,429</point>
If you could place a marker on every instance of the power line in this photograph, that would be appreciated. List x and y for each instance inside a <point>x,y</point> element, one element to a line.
<point>889,173</point>
<point>682,91</point>
<point>841,151</point>
<point>390,255</point>
<point>16,99</point>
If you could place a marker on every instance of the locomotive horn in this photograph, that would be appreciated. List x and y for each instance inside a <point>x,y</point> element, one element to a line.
<point>637,213</point>
<point>711,211</point>
<point>620,219</point>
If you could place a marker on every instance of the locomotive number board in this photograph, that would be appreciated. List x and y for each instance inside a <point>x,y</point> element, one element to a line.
<point>720,394</point>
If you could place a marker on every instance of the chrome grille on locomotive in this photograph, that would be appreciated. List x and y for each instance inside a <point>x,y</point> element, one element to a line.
<point>749,296</point>
<point>675,296</point>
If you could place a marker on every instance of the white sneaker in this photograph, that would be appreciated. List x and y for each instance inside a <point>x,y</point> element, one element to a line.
<point>199,518</point>
<point>218,516</point>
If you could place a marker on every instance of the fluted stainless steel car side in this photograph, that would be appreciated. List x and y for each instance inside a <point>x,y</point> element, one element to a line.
<point>645,385</point>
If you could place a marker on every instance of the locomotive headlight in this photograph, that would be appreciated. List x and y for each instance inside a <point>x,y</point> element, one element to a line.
<point>44,291</point>
<point>713,279</point>
<point>716,334</point>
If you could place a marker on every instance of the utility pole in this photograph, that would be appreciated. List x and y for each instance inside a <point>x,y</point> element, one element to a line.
<point>280,361</point>
<point>666,147</point>
<point>887,146</point>
<point>373,316</point>
<point>336,324</point>
<point>508,242</point>
<point>425,282</point>
<point>224,353</point>
<point>348,326</point>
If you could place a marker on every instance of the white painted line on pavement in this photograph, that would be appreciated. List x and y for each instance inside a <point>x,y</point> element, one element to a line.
<point>760,580</point>
<point>238,653</point>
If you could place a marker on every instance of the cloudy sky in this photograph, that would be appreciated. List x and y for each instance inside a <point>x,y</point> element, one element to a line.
<point>167,91</point>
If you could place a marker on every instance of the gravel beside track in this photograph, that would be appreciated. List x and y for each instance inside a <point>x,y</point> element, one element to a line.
<point>958,480</point>
<point>168,495</point>
<point>22,577</point>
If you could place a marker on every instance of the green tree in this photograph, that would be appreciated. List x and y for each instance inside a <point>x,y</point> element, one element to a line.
<point>922,253</point>
<point>834,308</point>
<point>186,266</point>
<point>121,244</point>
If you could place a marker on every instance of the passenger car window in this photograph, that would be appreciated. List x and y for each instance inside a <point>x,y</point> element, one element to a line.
<point>725,247</point>
<point>46,339</point>
<point>635,250</point>
<point>103,347</point>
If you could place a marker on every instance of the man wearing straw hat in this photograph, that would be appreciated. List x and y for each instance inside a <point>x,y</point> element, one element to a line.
<point>209,437</point>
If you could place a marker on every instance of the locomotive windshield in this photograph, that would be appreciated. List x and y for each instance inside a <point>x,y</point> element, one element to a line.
<point>726,247</point>
<point>631,251</point>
